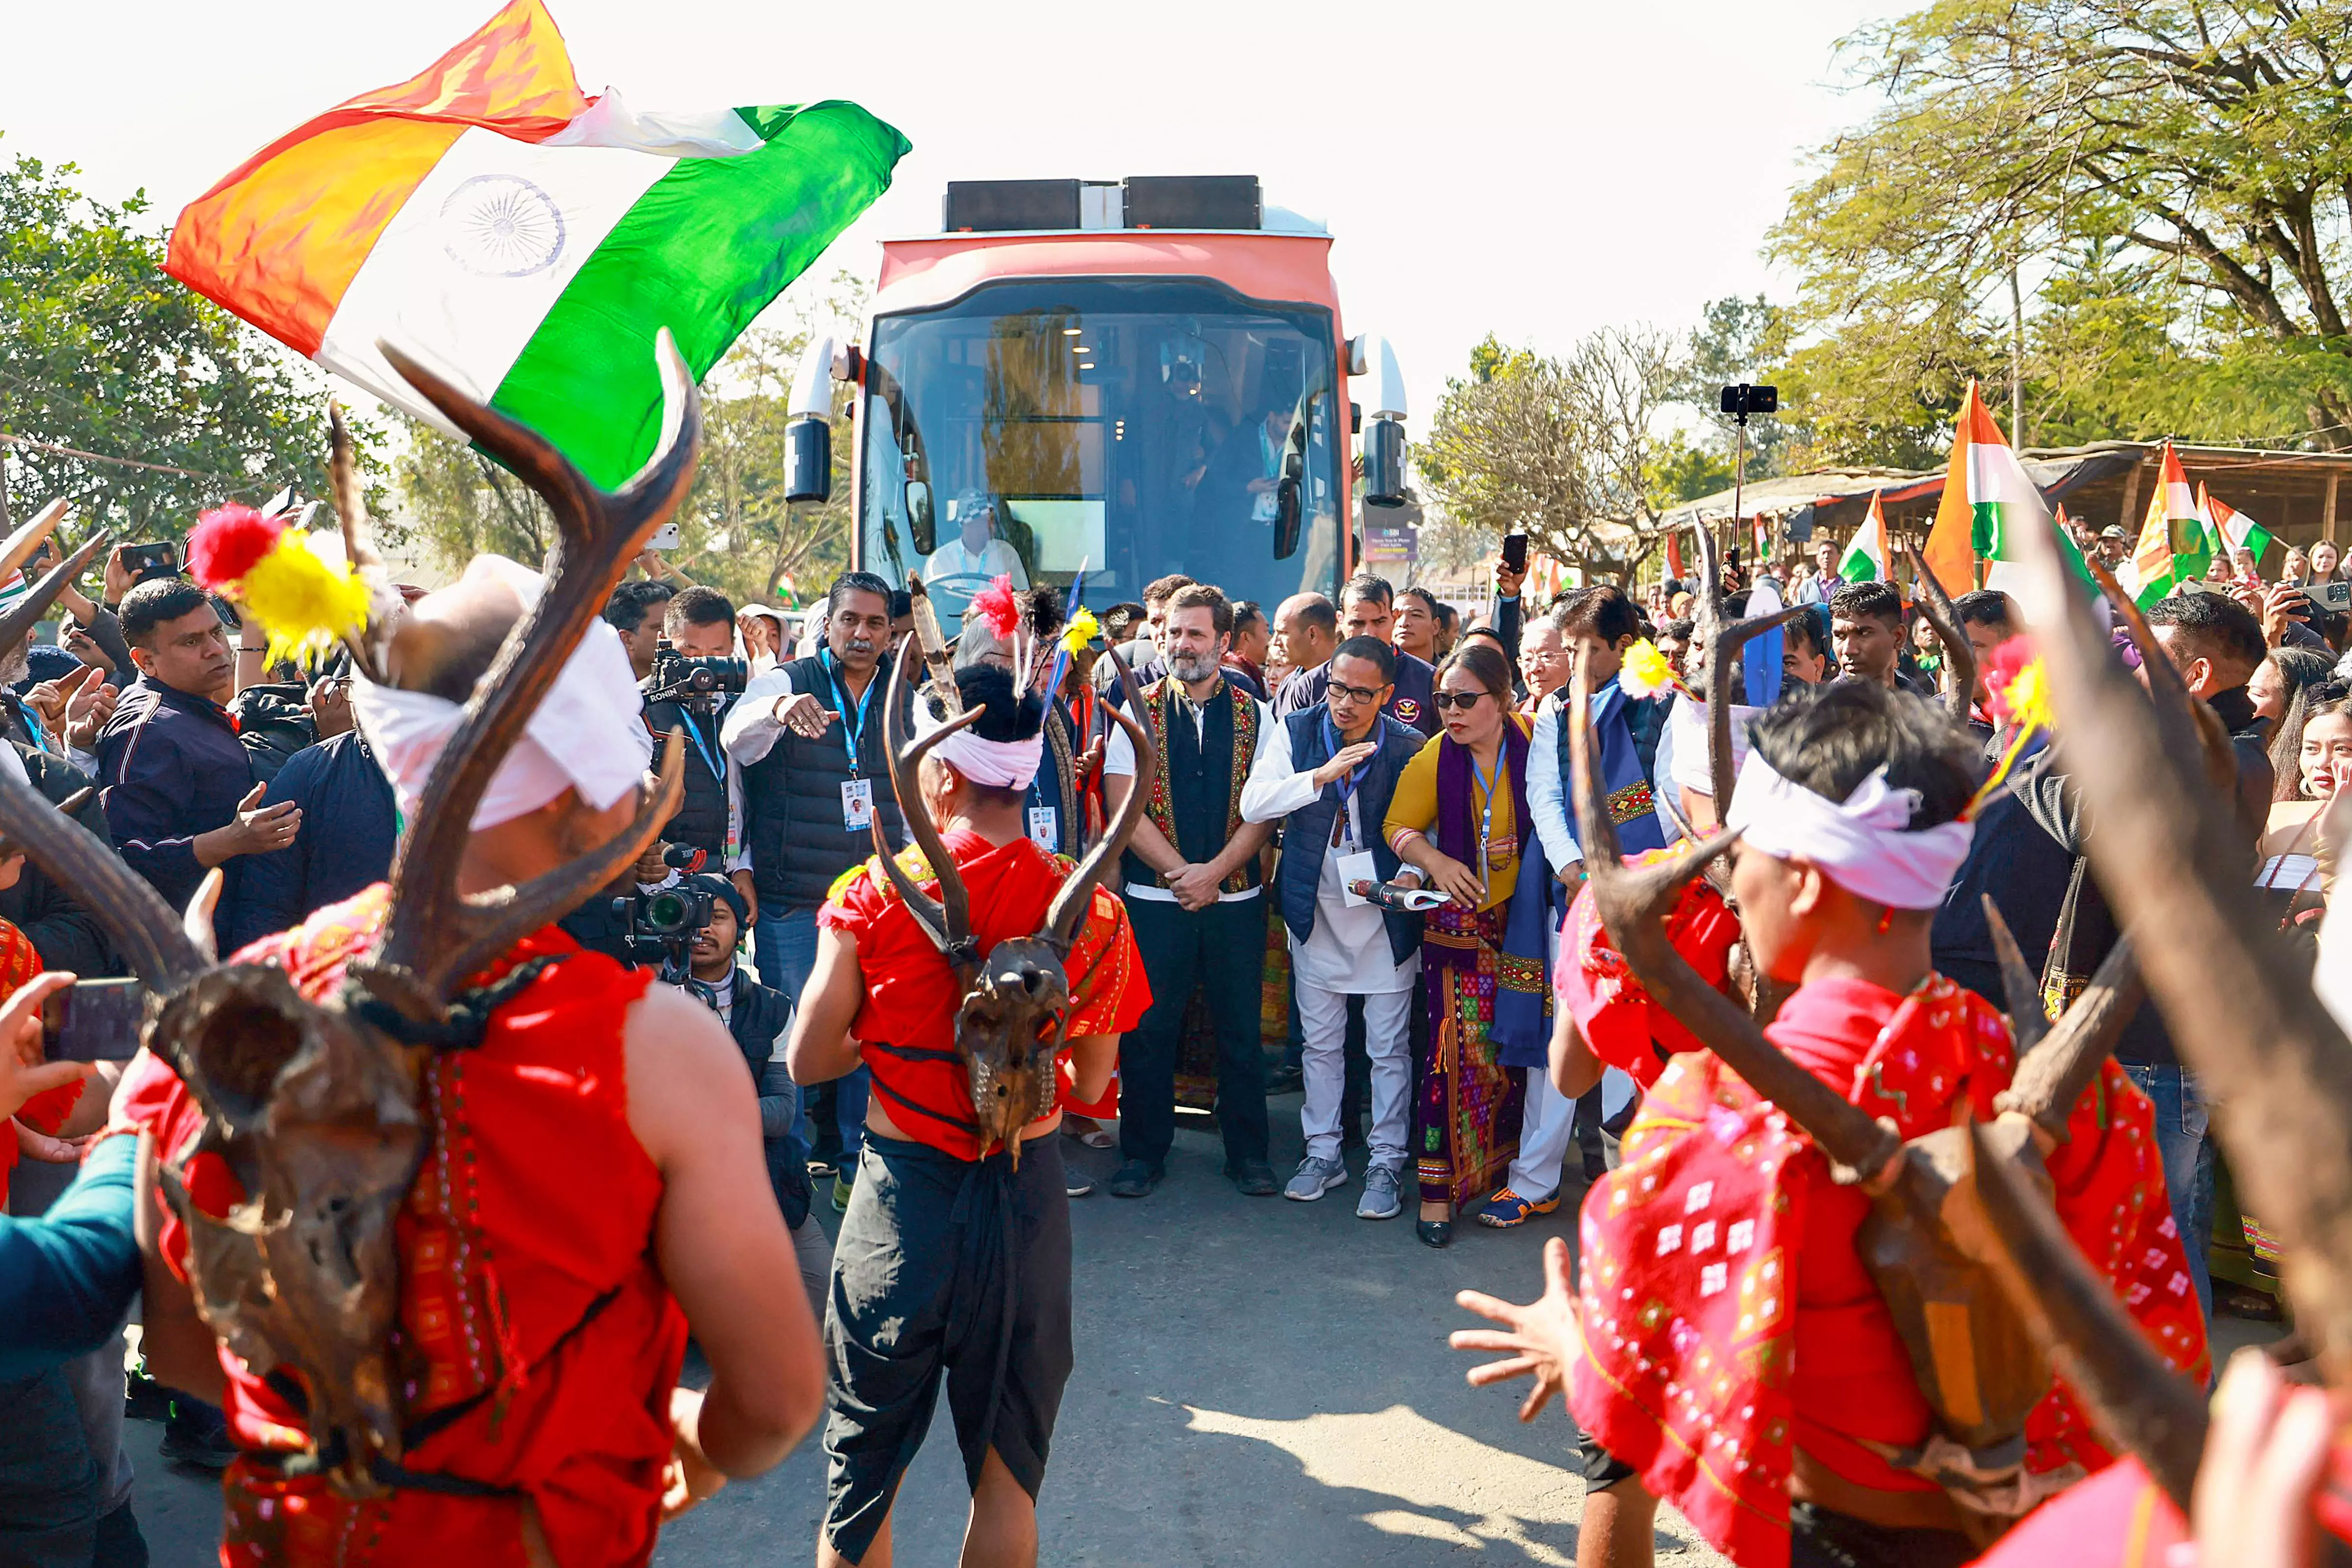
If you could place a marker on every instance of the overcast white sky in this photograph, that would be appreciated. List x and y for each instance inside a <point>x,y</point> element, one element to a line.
<point>1531,169</point>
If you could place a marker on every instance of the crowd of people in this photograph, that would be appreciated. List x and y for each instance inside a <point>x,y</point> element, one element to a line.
<point>1349,863</point>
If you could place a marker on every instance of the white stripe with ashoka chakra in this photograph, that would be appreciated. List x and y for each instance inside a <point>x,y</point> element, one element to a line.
<point>475,257</point>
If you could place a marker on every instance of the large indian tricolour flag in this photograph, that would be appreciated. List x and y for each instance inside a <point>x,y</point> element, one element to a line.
<point>527,240</point>
<point>1989,501</point>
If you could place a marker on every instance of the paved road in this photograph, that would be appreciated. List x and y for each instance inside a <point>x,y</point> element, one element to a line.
<point>1258,1382</point>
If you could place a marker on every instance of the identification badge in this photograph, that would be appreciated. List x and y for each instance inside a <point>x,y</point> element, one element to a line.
<point>1044,828</point>
<point>858,804</point>
<point>1354,868</point>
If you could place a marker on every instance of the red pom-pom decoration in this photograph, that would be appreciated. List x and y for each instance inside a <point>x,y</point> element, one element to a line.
<point>229,541</point>
<point>997,606</point>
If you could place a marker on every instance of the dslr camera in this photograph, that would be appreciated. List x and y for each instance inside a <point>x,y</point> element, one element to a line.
<point>657,928</point>
<point>696,685</point>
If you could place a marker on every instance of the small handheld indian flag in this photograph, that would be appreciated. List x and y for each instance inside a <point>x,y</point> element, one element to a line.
<point>2238,531</point>
<point>1989,500</point>
<point>2176,544</point>
<point>1866,556</point>
<point>527,240</point>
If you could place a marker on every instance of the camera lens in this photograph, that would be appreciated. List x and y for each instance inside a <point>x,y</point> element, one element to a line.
<point>668,912</point>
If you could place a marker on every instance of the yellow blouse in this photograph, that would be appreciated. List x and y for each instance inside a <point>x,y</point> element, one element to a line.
<point>1414,805</point>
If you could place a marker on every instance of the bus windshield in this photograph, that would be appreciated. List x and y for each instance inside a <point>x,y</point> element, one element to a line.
<point>1132,427</point>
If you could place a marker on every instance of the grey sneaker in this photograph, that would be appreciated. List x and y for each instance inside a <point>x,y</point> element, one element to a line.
<point>1315,1178</point>
<point>1381,1197</point>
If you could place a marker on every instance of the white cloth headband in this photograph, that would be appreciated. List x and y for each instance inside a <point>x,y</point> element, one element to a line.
<point>1000,765</point>
<point>585,733</point>
<point>1864,846</point>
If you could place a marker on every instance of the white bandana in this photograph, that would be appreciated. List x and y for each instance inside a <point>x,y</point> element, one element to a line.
<point>585,733</point>
<point>1864,846</point>
<point>1001,764</point>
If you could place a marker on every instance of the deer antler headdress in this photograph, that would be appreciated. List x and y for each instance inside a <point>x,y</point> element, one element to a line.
<point>315,1108</point>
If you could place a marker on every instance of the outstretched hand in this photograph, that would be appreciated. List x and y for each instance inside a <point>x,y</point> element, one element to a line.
<point>1535,1340</point>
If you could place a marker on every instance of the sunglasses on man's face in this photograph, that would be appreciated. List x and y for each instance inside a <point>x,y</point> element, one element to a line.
<point>1352,693</point>
<point>1462,700</point>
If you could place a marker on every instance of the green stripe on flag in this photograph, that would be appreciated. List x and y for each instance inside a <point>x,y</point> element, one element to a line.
<point>704,251</point>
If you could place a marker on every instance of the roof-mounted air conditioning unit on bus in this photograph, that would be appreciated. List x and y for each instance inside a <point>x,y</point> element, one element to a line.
<point>1144,201</point>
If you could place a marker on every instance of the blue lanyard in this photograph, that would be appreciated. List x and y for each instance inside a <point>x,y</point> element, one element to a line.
<point>1332,742</point>
<point>852,735</point>
<point>1489,783</point>
<point>694,737</point>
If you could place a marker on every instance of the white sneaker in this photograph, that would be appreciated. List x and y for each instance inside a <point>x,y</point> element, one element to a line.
<point>1315,1177</point>
<point>1382,1199</point>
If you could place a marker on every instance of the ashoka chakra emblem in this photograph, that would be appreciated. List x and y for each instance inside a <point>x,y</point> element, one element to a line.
<point>500,225</point>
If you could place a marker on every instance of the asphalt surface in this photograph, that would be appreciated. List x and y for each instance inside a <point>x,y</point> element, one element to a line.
<point>1258,1382</point>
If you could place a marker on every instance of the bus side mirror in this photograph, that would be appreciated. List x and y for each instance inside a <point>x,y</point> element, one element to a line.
<point>919,517</point>
<point>1384,463</point>
<point>808,460</point>
<point>1286,511</point>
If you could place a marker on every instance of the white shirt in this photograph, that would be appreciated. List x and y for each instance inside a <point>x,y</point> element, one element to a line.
<point>1548,797</point>
<point>1118,757</point>
<point>1347,953</point>
<point>997,558</point>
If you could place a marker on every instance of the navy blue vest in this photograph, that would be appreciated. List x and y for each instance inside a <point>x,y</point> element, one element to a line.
<point>1203,796</point>
<point>1306,833</point>
<point>1622,724</point>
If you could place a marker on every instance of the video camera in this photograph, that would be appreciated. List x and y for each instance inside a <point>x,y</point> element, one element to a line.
<point>658,927</point>
<point>696,685</point>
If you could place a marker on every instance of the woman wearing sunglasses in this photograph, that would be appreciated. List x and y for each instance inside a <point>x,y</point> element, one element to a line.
<point>1460,818</point>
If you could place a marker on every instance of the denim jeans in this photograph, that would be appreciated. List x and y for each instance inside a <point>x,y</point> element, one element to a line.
<point>2188,1152</point>
<point>783,947</point>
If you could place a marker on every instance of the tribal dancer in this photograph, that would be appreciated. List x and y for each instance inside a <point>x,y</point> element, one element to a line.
<point>430,1199</point>
<point>1730,1349</point>
<point>960,972</point>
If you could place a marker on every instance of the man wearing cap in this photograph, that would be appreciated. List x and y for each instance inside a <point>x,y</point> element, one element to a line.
<point>2114,547</point>
<point>953,1263</point>
<point>975,552</point>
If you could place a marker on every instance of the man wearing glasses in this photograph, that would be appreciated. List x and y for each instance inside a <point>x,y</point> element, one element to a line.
<point>1328,771</point>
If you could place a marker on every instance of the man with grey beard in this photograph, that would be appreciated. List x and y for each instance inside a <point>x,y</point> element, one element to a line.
<point>1195,895</point>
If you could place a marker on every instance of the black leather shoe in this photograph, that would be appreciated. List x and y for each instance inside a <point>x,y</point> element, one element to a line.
<point>1283,1080</point>
<point>1253,1180</point>
<point>1135,1180</point>
<point>1434,1232</point>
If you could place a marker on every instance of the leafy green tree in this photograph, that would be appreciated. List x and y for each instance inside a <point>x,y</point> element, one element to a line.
<point>102,353</point>
<point>736,531</point>
<point>1736,340</point>
<point>2131,214</point>
<point>1560,449</point>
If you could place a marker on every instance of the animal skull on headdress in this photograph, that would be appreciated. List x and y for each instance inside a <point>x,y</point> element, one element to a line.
<point>316,1110</point>
<point>1013,1020</point>
<point>1971,1349</point>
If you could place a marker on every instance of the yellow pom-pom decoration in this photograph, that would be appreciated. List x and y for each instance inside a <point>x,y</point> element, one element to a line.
<point>1644,671</point>
<point>305,595</point>
<point>1083,629</point>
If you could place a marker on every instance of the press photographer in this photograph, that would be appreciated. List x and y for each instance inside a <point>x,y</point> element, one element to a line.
<point>757,1017</point>
<point>695,680</point>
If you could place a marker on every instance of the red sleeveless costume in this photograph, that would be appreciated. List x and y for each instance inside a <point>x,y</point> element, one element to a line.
<point>527,1287</point>
<point>1726,1315</point>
